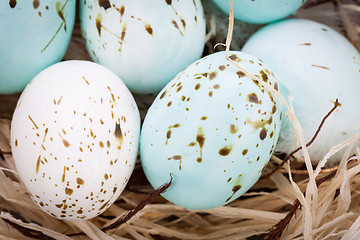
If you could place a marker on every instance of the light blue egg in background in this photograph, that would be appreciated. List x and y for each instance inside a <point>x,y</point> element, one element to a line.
<point>261,11</point>
<point>213,129</point>
<point>318,65</point>
<point>34,35</point>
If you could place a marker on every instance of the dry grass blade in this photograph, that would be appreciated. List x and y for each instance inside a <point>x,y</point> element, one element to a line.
<point>336,104</point>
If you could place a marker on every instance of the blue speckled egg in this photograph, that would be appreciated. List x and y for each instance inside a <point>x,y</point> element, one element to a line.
<point>34,35</point>
<point>261,11</point>
<point>213,129</point>
<point>146,43</point>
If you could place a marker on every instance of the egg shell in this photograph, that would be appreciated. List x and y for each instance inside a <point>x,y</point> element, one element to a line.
<point>145,48</point>
<point>34,35</point>
<point>74,138</point>
<point>213,129</point>
<point>261,11</point>
<point>317,65</point>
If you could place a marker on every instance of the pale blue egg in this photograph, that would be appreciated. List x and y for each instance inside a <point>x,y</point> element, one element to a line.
<point>261,11</point>
<point>34,35</point>
<point>213,129</point>
<point>146,43</point>
<point>318,65</point>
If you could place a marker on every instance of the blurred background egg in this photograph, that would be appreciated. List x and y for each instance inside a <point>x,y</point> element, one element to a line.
<point>144,42</point>
<point>213,129</point>
<point>34,35</point>
<point>318,66</point>
<point>74,139</point>
<point>261,11</point>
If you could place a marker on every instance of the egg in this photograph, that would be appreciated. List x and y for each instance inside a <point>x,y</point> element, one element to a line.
<point>34,35</point>
<point>145,48</point>
<point>261,11</point>
<point>318,66</point>
<point>212,129</point>
<point>74,138</point>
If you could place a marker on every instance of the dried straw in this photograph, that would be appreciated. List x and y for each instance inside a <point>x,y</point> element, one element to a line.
<point>330,207</point>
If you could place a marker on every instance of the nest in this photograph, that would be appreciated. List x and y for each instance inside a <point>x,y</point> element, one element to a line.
<point>288,202</point>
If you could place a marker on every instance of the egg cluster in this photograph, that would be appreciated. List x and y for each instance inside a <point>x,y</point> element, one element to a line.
<point>76,130</point>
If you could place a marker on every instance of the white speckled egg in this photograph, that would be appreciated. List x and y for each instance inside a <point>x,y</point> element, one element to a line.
<point>261,11</point>
<point>144,42</point>
<point>318,65</point>
<point>74,138</point>
<point>34,35</point>
<point>213,129</point>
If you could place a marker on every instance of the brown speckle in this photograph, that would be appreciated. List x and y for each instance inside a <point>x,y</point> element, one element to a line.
<point>36,4</point>
<point>234,58</point>
<point>177,26</point>
<point>212,75</point>
<point>163,95</point>
<point>240,74</point>
<point>234,189</point>
<point>183,23</point>
<point>104,4</point>
<point>263,134</point>
<point>225,150</point>
<point>69,191</point>
<point>98,23</point>
<point>79,181</point>
<point>222,67</point>
<point>233,129</point>
<point>12,3</point>
<point>252,97</point>
<point>66,143</point>
<point>326,68</point>
<point>149,29</point>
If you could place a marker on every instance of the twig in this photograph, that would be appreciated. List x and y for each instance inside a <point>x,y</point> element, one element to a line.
<point>305,172</point>
<point>277,230</point>
<point>126,217</point>
<point>3,152</point>
<point>28,232</point>
<point>336,104</point>
<point>139,207</point>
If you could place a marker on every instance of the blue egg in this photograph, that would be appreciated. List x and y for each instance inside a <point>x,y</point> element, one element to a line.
<point>213,129</point>
<point>318,65</point>
<point>261,11</point>
<point>34,35</point>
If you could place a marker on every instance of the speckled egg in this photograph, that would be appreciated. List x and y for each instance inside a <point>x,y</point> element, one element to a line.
<point>213,129</point>
<point>34,35</point>
<point>144,42</point>
<point>74,138</point>
<point>318,66</point>
<point>261,11</point>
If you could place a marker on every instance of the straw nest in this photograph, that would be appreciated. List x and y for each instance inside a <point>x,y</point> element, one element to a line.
<point>315,204</point>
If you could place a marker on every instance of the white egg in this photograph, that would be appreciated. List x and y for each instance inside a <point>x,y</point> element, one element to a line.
<point>318,66</point>
<point>74,138</point>
<point>144,42</point>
